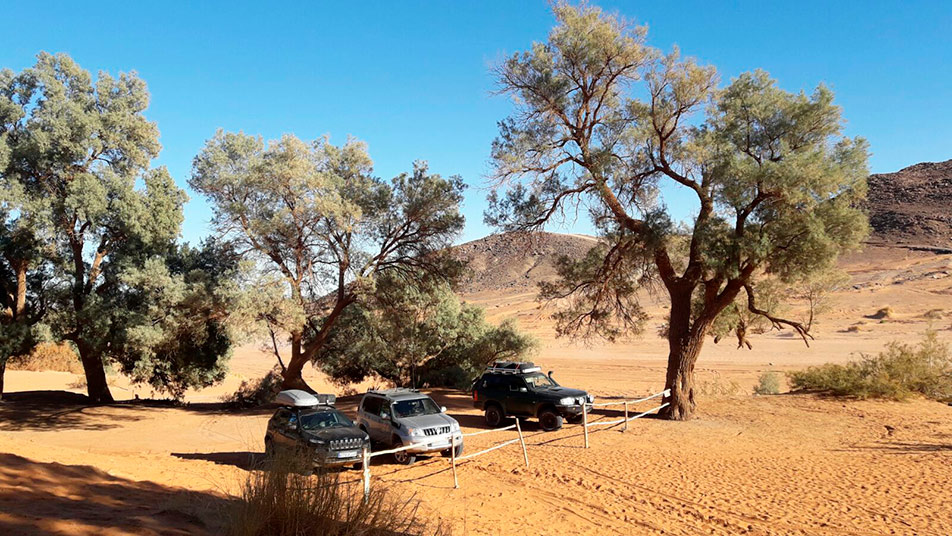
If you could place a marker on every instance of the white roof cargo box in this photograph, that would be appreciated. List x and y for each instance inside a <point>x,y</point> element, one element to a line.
<point>296,398</point>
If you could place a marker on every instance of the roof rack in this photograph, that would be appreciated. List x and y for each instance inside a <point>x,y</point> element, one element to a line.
<point>513,367</point>
<point>393,391</point>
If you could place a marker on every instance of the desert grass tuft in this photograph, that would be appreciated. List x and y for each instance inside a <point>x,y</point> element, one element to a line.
<point>768,383</point>
<point>279,501</point>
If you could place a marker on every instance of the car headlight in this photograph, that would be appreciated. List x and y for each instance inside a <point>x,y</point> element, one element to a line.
<point>454,426</point>
<point>415,432</point>
<point>318,442</point>
<point>567,401</point>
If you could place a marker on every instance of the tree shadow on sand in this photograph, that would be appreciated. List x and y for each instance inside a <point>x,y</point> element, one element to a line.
<point>52,498</point>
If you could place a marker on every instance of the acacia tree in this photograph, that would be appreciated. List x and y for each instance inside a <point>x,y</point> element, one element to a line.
<point>323,228</point>
<point>607,123</point>
<point>76,150</point>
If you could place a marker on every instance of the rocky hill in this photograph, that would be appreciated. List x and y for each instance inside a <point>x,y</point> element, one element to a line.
<point>912,206</point>
<point>515,262</point>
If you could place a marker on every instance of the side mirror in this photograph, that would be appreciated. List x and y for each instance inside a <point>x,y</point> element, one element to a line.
<point>292,427</point>
<point>385,415</point>
<point>523,390</point>
<point>443,409</point>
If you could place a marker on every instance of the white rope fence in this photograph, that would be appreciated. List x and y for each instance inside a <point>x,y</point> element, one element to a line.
<point>586,425</point>
<point>367,455</point>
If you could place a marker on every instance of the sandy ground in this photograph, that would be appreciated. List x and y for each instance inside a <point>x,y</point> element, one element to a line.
<point>788,464</point>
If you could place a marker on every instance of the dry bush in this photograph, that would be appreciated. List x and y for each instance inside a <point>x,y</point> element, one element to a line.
<point>256,392</point>
<point>934,314</point>
<point>899,372</point>
<point>886,313</point>
<point>717,388</point>
<point>49,356</point>
<point>279,501</point>
<point>768,384</point>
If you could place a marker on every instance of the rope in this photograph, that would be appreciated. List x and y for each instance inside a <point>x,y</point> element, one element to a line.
<point>666,392</point>
<point>499,446</point>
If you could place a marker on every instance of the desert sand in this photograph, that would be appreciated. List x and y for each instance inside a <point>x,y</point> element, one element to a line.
<point>786,464</point>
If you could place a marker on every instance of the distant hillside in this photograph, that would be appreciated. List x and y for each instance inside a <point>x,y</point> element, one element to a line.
<point>913,206</point>
<point>514,262</point>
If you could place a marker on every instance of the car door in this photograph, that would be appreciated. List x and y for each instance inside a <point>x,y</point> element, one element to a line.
<point>285,430</point>
<point>371,416</point>
<point>518,397</point>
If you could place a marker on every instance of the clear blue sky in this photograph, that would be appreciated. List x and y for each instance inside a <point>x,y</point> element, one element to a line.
<point>411,78</point>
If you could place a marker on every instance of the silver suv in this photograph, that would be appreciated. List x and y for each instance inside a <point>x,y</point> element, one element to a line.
<point>401,417</point>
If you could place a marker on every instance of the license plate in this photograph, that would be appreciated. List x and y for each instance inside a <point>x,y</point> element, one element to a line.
<point>348,454</point>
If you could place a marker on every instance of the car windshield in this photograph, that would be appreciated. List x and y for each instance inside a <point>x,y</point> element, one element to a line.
<point>537,379</point>
<point>324,419</point>
<point>415,407</point>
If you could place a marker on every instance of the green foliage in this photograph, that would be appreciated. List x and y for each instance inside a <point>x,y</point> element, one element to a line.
<point>101,227</point>
<point>901,371</point>
<point>768,383</point>
<point>417,333</point>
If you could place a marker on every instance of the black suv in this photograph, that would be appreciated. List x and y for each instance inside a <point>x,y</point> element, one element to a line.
<point>315,430</point>
<point>521,390</point>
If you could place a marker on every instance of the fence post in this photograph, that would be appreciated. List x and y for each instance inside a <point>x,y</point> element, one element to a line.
<point>525,453</point>
<point>585,423</point>
<point>625,428</point>
<point>453,461</point>
<point>366,464</point>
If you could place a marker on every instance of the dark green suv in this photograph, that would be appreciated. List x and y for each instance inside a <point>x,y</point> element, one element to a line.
<point>522,390</point>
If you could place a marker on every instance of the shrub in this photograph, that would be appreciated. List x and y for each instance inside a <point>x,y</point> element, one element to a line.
<point>47,356</point>
<point>768,384</point>
<point>897,373</point>
<point>258,392</point>
<point>282,502</point>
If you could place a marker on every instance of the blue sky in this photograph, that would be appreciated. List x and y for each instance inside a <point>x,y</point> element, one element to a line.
<point>411,78</point>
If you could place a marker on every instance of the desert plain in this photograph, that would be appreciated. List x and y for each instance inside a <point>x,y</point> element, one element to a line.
<point>785,464</point>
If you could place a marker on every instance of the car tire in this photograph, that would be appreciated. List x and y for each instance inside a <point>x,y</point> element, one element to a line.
<point>403,457</point>
<point>494,415</point>
<point>550,420</point>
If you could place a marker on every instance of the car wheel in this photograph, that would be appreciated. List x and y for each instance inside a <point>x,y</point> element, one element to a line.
<point>493,416</point>
<point>550,420</point>
<point>402,457</point>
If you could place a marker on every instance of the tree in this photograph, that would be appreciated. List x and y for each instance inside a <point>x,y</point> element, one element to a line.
<point>607,123</point>
<point>417,333</point>
<point>80,150</point>
<point>323,227</point>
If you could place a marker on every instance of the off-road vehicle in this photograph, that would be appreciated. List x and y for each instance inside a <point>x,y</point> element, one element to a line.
<point>310,427</point>
<point>508,389</point>
<point>401,417</point>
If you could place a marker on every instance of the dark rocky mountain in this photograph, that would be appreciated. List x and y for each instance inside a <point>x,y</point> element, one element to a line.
<point>913,206</point>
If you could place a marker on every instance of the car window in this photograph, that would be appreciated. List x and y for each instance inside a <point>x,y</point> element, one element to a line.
<point>280,417</point>
<point>495,382</point>
<point>415,407</point>
<point>540,380</point>
<point>371,405</point>
<point>324,419</point>
<point>516,383</point>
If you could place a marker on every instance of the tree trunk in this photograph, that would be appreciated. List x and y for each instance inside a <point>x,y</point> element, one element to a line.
<point>96,386</point>
<point>684,346</point>
<point>293,378</point>
<point>3,371</point>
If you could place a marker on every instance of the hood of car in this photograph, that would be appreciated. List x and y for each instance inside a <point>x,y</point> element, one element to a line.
<point>562,392</point>
<point>330,434</point>
<point>428,421</point>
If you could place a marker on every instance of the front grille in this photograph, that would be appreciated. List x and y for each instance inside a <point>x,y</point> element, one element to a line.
<point>436,430</point>
<point>346,444</point>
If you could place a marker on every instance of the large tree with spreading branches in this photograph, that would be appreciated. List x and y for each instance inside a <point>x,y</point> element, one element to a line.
<point>323,228</point>
<point>607,124</point>
<point>79,199</point>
